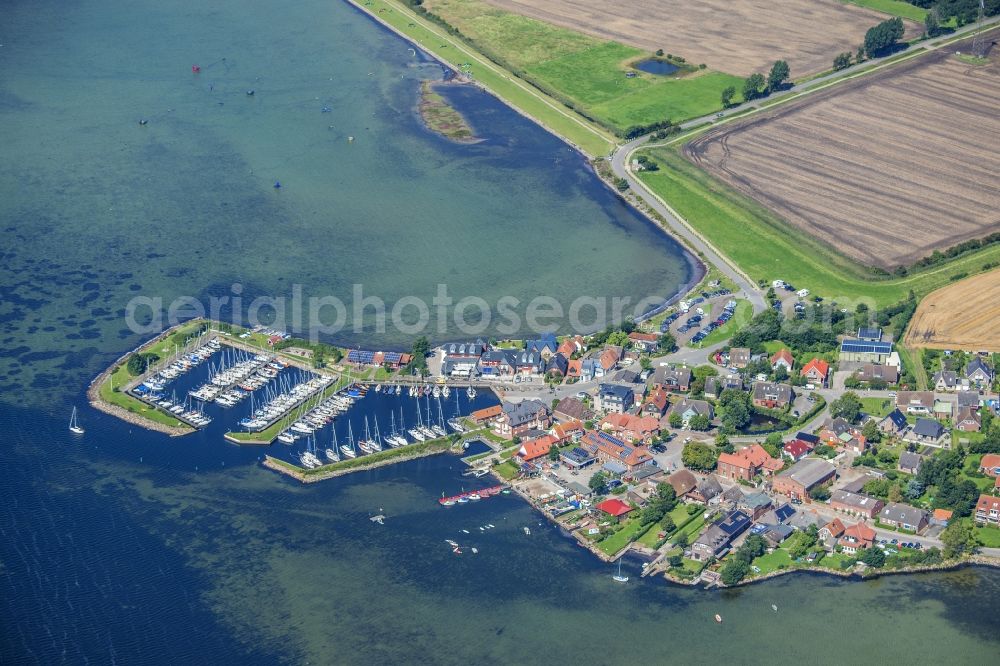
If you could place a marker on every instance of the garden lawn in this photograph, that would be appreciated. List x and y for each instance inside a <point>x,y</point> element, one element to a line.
<point>877,406</point>
<point>506,470</point>
<point>990,536</point>
<point>779,559</point>
<point>835,560</point>
<point>621,538</point>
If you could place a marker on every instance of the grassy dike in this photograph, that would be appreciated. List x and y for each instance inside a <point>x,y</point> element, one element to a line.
<point>767,248</point>
<point>522,96</point>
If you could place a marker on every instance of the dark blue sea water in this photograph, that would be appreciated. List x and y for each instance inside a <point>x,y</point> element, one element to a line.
<point>125,546</point>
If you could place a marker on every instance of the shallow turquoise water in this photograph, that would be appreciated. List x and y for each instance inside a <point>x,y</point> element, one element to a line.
<point>130,547</point>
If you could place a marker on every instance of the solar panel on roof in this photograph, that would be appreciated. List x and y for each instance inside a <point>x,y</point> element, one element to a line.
<point>865,347</point>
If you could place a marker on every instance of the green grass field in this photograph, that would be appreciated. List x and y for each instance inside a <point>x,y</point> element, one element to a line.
<point>621,538</point>
<point>767,248</point>
<point>779,559</point>
<point>585,72</point>
<point>743,314</point>
<point>877,406</point>
<point>894,8</point>
<point>989,536</point>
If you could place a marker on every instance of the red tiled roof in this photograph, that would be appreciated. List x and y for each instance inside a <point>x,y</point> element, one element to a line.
<point>751,456</point>
<point>860,532</point>
<point>989,461</point>
<point>942,514</point>
<point>486,413</point>
<point>608,359</point>
<point>986,503</point>
<point>643,337</point>
<point>536,448</point>
<point>564,430</point>
<point>819,365</point>
<point>614,507</point>
<point>574,367</point>
<point>783,354</point>
<point>835,527</point>
<point>796,448</point>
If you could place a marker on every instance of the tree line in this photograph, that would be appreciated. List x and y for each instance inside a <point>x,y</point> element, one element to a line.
<point>756,85</point>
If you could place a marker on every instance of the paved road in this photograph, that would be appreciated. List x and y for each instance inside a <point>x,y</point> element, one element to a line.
<point>621,155</point>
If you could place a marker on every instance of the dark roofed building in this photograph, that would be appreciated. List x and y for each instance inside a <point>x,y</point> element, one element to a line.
<point>572,409</point>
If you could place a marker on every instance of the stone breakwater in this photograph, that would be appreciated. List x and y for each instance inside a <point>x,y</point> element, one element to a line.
<point>301,476</point>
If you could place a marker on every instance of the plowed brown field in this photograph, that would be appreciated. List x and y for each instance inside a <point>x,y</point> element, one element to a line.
<point>735,36</point>
<point>964,315</point>
<point>885,169</point>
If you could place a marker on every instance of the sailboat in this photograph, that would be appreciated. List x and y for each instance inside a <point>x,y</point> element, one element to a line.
<point>618,577</point>
<point>331,453</point>
<point>348,449</point>
<point>376,443</point>
<point>365,444</point>
<point>74,425</point>
<point>471,392</point>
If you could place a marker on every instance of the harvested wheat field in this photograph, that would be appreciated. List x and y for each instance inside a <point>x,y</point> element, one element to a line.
<point>964,315</point>
<point>734,36</point>
<point>886,169</point>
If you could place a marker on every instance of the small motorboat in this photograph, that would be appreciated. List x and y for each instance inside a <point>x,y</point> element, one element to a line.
<point>718,618</point>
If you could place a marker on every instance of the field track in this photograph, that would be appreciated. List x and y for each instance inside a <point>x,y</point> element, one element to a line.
<point>964,315</point>
<point>885,169</point>
<point>734,36</point>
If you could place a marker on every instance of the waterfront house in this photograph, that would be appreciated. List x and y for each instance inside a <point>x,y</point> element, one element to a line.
<point>716,539</point>
<point>772,395</point>
<point>904,516</point>
<point>746,463</point>
<point>497,363</point>
<point>486,414</point>
<point>987,510</point>
<point>830,533</point>
<point>910,462</point>
<point>775,533</point>
<point>517,418</point>
<point>803,476</point>
<point>968,420</point>
<point>614,507</point>
<point>630,427</point>
<point>714,386</point>
<point>856,538</point>
<point>645,342</point>
<point>796,450</point>
<point>689,408</point>
<point>683,482</point>
<point>533,449</point>
<point>927,432</point>
<point>656,403</point>
<point>528,363</point>
<point>855,504</point>
<point>990,465</point>
<point>673,378</point>
<point>572,409</point>
<point>546,346</point>
<point>782,359</point>
<point>460,359</point>
<point>614,398</point>
<point>915,402</point>
<point>739,357</point>
<point>571,346</point>
<point>893,423</point>
<point>978,373</point>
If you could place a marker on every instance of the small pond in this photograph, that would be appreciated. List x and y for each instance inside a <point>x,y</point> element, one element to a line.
<point>762,424</point>
<point>656,66</point>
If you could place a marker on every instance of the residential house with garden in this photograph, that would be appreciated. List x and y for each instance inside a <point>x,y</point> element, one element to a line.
<point>772,395</point>
<point>614,398</point>
<point>746,463</point>
<point>803,476</point>
<point>904,516</point>
<point>816,371</point>
<point>987,510</point>
<point>517,418</point>
<point>856,504</point>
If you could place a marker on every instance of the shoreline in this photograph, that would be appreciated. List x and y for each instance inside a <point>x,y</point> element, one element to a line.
<point>289,470</point>
<point>696,265</point>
